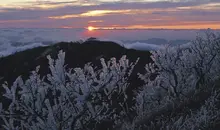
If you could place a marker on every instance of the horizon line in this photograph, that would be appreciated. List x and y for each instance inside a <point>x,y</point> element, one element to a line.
<point>84,28</point>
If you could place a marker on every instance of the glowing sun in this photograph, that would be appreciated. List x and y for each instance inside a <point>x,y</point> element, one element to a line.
<point>90,28</point>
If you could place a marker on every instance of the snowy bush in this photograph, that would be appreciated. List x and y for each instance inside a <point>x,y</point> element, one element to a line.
<point>181,71</point>
<point>203,118</point>
<point>69,99</point>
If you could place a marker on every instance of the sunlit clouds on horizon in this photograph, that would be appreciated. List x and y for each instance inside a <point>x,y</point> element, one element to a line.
<point>111,14</point>
<point>93,13</point>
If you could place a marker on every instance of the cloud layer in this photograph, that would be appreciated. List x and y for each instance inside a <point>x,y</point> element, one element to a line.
<point>105,14</point>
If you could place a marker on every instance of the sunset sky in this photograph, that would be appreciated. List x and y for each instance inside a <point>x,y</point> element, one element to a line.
<point>110,14</point>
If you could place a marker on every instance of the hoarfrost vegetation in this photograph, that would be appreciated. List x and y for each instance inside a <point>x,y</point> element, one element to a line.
<point>185,75</point>
<point>179,93</point>
<point>71,99</point>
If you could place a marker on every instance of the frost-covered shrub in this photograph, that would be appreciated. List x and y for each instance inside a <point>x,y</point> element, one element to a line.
<point>67,99</point>
<point>203,118</point>
<point>180,71</point>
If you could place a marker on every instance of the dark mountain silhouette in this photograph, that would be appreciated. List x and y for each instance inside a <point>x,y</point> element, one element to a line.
<point>77,55</point>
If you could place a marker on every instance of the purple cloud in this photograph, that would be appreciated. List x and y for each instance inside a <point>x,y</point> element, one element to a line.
<point>119,14</point>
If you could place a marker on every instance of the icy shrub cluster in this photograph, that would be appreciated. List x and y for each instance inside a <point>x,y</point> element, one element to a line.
<point>71,98</point>
<point>183,74</point>
<point>179,93</point>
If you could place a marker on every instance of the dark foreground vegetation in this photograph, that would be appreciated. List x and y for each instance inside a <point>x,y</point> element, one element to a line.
<point>92,85</point>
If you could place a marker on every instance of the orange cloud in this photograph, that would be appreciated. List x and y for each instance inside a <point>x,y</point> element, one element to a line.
<point>15,21</point>
<point>98,13</point>
<point>92,13</point>
<point>44,5</point>
<point>180,25</point>
<point>96,21</point>
<point>209,6</point>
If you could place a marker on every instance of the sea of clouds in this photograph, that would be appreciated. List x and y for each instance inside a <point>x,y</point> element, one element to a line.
<point>14,40</point>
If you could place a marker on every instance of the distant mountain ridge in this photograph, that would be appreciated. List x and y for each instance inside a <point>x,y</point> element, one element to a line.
<point>160,41</point>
